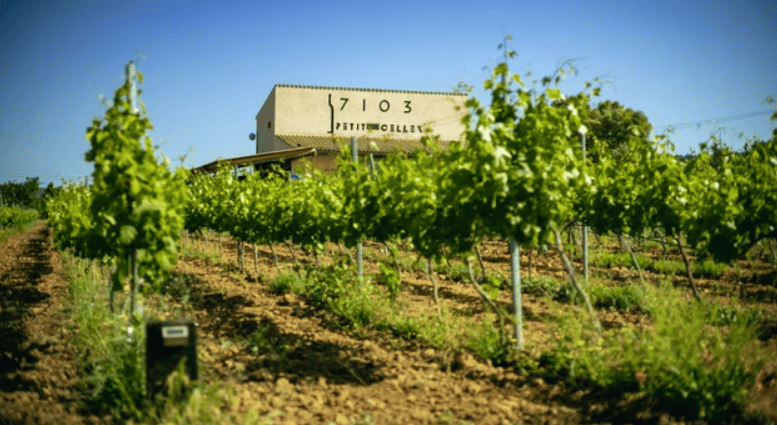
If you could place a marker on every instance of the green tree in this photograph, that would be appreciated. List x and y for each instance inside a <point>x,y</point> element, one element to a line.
<point>26,194</point>
<point>612,126</point>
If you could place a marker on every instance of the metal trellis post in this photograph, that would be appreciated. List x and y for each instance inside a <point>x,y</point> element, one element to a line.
<point>585,228</point>
<point>359,246</point>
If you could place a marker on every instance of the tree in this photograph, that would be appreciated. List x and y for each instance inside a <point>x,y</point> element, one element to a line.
<point>25,194</point>
<point>612,125</point>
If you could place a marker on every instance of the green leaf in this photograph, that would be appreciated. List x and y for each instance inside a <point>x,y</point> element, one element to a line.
<point>127,234</point>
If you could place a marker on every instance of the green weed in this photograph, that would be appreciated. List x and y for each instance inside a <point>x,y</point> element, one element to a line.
<point>457,272</point>
<point>389,277</point>
<point>209,404</point>
<point>285,283</point>
<point>726,315</point>
<point>542,286</point>
<point>191,252</point>
<point>621,298</point>
<point>337,289</point>
<point>708,269</point>
<point>667,267</point>
<point>688,368</point>
<point>608,260</point>
<point>115,370</point>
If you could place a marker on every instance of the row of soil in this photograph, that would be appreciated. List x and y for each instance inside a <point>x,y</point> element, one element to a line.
<point>310,363</point>
<point>39,377</point>
<point>294,364</point>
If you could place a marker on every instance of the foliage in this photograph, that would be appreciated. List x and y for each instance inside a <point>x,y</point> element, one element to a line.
<point>137,203</point>
<point>286,283</point>
<point>663,362</point>
<point>68,215</point>
<point>26,194</point>
<point>389,277</point>
<point>134,210</point>
<point>614,125</point>
<point>16,217</point>
<point>709,269</point>
<point>115,366</point>
<point>734,201</point>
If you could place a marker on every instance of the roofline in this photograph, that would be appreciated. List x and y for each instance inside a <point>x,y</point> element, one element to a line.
<point>368,90</point>
<point>258,158</point>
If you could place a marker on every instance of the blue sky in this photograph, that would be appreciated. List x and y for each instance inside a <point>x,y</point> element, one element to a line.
<point>209,66</point>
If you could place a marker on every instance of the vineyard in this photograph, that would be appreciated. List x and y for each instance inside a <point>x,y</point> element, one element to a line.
<point>514,277</point>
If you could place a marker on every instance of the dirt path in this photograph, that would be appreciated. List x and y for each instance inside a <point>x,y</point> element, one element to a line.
<point>38,373</point>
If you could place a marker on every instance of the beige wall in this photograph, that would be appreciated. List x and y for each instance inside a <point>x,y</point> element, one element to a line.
<point>265,135</point>
<point>322,162</point>
<point>321,111</point>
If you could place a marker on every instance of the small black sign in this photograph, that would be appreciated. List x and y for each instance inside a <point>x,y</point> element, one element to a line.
<point>168,344</point>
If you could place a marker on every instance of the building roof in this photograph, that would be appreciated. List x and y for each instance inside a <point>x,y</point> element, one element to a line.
<point>369,90</point>
<point>383,145</point>
<point>260,158</point>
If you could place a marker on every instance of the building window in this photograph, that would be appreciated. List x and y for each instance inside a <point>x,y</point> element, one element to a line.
<point>269,124</point>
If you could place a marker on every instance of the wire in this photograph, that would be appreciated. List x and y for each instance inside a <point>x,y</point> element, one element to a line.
<point>711,121</point>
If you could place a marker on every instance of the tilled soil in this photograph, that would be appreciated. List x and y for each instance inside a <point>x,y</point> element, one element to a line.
<point>314,372</point>
<point>295,364</point>
<point>310,373</point>
<point>38,372</point>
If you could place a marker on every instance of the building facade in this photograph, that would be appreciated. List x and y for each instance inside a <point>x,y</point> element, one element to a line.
<point>383,121</point>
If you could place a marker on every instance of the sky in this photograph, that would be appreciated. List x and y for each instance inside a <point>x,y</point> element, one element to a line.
<point>209,66</point>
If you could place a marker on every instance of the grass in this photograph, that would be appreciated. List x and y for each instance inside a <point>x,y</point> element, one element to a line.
<point>680,362</point>
<point>621,298</point>
<point>190,251</point>
<point>685,366</point>
<point>601,295</point>
<point>709,269</point>
<point>113,366</point>
<point>704,269</point>
<point>694,360</point>
<point>608,260</point>
<point>15,220</point>
<point>114,370</point>
<point>337,290</point>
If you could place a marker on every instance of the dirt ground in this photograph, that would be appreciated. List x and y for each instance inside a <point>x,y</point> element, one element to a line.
<point>308,370</point>
<point>38,372</point>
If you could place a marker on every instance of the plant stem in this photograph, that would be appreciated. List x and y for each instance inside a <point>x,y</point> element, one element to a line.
<point>687,267</point>
<point>632,256</point>
<point>486,300</point>
<point>430,276</point>
<point>575,284</point>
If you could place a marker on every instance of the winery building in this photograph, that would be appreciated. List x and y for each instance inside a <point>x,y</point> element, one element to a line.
<point>310,124</point>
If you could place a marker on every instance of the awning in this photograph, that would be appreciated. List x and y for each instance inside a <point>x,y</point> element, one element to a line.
<point>259,158</point>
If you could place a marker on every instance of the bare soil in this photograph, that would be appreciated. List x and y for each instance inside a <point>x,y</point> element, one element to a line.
<point>309,370</point>
<point>38,372</point>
